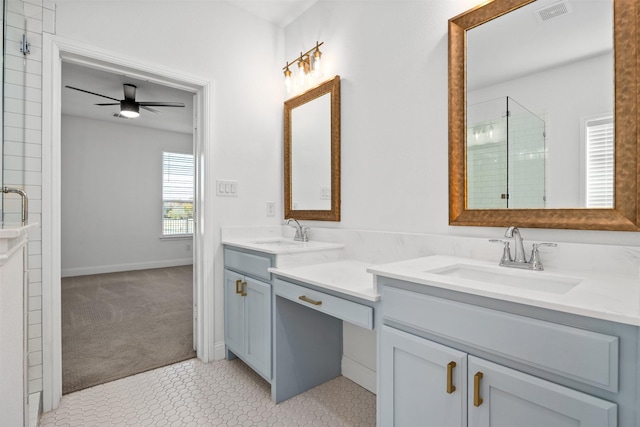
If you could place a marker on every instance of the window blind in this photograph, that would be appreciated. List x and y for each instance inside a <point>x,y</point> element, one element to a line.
<point>600,165</point>
<point>177,194</point>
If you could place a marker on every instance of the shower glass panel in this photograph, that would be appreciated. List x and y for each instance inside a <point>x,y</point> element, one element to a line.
<point>14,95</point>
<point>4,31</point>
<point>506,156</point>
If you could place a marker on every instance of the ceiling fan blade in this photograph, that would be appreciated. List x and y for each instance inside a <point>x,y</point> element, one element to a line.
<point>129,92</point>
<point>92,93</point>
<point>162,104</point>
<point>108,103</point>
<point>153,110</point>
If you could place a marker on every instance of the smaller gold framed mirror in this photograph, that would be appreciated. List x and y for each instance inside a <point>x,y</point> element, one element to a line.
<point>312,153</point>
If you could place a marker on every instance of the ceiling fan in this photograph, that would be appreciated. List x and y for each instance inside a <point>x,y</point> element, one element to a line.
<point>129,107</point>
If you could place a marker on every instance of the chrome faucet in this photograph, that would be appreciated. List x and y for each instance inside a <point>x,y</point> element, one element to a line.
<point>518,242</point>
<point>301,230</point>
<point>520,260</point>
<point>25,202</point>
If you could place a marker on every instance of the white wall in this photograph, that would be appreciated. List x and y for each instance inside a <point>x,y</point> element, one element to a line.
<point>112,197</point>
<point>392,59</point>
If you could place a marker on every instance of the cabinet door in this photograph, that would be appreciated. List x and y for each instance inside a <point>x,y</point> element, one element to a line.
<point>414,386</point>
<point>233,313</point>
<point>511,398</point>
<point>257,318</point>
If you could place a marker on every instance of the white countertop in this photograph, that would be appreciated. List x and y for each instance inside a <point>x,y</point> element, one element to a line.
<point>280,245</point>
<point>607,297</point>
<point>347,277</point>
<point>11,231</point>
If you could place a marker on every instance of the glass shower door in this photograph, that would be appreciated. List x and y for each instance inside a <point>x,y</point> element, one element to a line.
<point>15,93</point>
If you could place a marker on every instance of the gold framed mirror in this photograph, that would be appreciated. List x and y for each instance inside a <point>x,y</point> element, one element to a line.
<point>312,153</point>
<point>623,215</point>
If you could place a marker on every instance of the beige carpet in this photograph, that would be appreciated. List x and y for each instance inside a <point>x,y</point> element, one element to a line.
<point>119,324</point>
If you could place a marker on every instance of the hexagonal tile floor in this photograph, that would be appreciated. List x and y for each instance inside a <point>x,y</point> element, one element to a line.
<point>222,393</point>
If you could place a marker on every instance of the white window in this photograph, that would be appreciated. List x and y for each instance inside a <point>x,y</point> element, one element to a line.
<point>177,194</point>
<point>599,136</point>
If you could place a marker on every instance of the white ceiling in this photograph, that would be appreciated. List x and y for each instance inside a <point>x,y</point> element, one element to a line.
<point>81,104</point>
<point>279,12</point>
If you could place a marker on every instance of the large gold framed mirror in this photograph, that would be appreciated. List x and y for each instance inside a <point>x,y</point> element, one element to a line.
<point>312,153</point>
<point>622,212</point>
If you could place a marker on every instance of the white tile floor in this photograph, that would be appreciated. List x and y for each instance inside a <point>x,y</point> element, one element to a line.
<point>222,393</point>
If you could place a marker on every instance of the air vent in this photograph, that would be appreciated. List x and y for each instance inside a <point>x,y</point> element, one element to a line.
<point>555,10</point>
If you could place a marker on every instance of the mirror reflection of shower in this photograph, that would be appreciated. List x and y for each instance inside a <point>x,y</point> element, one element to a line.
<point>506,156</point>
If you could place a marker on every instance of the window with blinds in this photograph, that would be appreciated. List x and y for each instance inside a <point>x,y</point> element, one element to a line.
<point>177,194</point>
<point>599,135</point>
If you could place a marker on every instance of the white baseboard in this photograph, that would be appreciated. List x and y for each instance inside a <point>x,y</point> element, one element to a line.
<point>219,351</point>
<point>34,409</point>
<point>101,269</point>
<point>359,374</point>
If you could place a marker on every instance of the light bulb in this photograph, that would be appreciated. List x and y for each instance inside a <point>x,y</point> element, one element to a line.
<point>317,65</point>
<point>301,72</point>
<point>129,114</point>
<point>287,79</point>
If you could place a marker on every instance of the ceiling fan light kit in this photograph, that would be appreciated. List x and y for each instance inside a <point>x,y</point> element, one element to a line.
<point>129,107</point>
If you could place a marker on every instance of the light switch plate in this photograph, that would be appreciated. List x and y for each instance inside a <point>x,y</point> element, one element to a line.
<point>226,188</point>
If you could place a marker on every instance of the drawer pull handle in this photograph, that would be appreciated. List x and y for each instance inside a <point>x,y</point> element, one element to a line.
<point>450,387</point>
<point>309,300</point>
<point>243,290</point>
<point>477,400</point>
<point>238,290</point>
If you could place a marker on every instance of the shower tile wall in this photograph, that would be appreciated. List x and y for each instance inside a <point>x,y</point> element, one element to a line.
<point>490,174</point>
<point>23,150</point>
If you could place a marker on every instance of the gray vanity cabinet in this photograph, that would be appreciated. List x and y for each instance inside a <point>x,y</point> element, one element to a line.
<point>447,363</point>
<point>248,310</point>
<point>420,380</point>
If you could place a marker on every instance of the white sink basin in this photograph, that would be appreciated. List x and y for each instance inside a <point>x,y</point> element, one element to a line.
<point>529,280</point>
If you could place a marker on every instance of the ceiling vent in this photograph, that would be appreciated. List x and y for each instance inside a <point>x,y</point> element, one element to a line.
<point>552,11</point>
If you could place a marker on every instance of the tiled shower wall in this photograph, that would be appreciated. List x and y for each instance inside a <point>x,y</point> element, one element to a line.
<point>493,170</point>
<point>23,149</point>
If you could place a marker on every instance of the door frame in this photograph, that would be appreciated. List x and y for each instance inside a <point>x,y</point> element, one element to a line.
<point>56,50</point>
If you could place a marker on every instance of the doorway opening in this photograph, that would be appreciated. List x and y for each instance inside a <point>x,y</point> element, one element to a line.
<point>127,227</point>
<point>57,50</point>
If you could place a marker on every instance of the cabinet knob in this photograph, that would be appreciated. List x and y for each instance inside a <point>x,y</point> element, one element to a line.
<point>477,400</point>
<point>450,387</point>
<point>238,289</point>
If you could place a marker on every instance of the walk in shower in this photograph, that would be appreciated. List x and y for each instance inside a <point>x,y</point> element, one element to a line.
<point>19,87</point>
<point>506,156</point>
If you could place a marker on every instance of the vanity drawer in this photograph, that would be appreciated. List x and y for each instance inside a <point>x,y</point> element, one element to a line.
<point>584,356</point>
<point>242,262</point>
<point>349,311</point>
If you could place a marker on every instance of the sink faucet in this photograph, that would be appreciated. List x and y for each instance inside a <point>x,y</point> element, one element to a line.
<point>515,233</point>
<point>520,260</point>
<point>301,230</point>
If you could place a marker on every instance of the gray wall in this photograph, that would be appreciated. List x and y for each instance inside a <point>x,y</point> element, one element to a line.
<point>112,197</point>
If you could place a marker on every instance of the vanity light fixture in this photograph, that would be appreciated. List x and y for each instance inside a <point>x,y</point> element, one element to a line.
<point>305,67</point>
